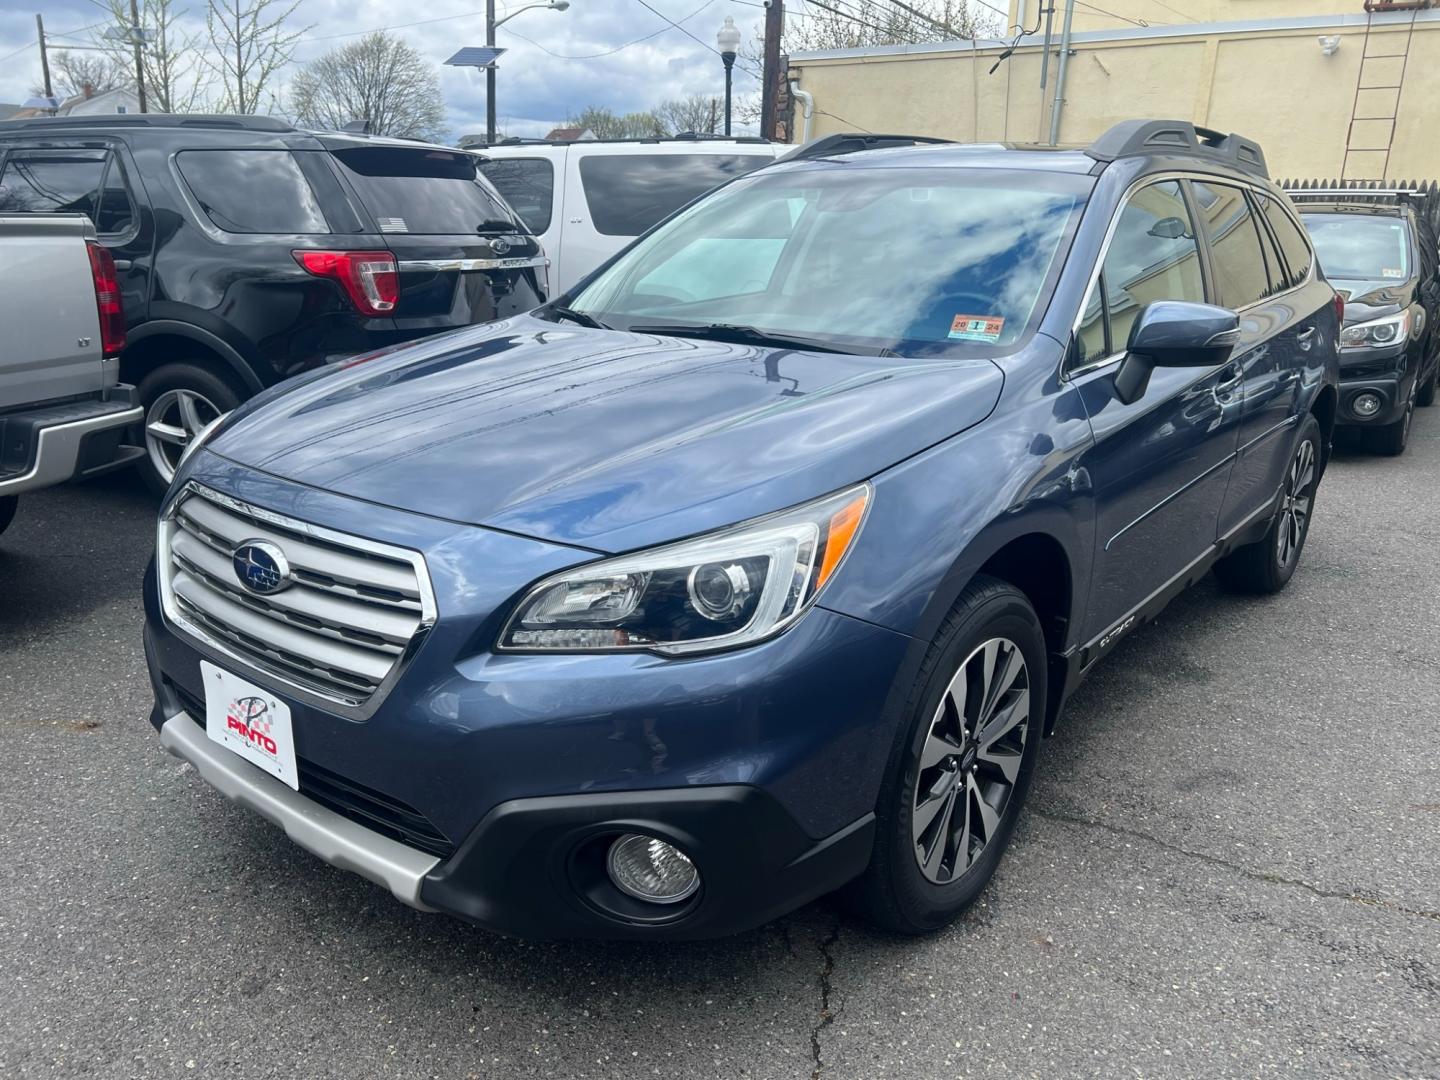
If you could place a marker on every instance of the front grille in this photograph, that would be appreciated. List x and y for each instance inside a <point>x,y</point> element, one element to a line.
<point>349,618</point>
<point>363,805</point>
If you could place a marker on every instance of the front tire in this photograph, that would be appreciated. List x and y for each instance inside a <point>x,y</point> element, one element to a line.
<point>180,399</point>
<point>962,763</point>
<point>1426,397</point>
<point>1267,565</point>
<point>1392,439</point>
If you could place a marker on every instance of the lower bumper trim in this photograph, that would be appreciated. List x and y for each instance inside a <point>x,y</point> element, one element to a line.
<point>320,831</point>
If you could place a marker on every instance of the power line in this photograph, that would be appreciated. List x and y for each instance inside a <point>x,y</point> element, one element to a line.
<point>22,48</point>
<point>617,48</point>
<point>1112,14</point>
<point>646,5</point>
<point>397,26</point>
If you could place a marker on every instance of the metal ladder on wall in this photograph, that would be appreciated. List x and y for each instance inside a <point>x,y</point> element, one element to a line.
<point>1359,159</point>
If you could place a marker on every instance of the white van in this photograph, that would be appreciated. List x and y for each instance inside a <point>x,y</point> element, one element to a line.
<point>586,200</point>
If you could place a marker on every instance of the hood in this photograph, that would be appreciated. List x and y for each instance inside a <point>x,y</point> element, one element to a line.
<point>603,439</point>
<point>1367,299</point>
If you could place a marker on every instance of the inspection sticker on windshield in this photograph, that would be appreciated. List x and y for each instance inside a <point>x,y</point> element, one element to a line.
<point>1391,272</point>
<point>977,328</point>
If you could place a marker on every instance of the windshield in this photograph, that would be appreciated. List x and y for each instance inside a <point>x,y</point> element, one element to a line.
<point>1363,247</point>
<point>424,191</point>
<point>911,260</point>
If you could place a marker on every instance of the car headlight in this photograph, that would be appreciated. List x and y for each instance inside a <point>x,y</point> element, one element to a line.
<point>732,587</point>
<point>1377,332</point>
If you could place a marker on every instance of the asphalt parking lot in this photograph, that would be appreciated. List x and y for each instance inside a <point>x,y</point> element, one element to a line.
<point>1230,866</point>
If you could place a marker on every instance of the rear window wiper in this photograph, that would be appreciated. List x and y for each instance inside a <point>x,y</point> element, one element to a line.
<point>571,315</point>
<point>752,335</point>
<point>498,225</point>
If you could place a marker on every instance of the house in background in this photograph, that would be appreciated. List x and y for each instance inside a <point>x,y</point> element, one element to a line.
<point>570,134</point>
<point>7,110</point>
<point>86,103</point>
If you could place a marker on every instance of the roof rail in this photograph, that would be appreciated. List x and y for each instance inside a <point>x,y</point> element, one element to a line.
<point>174,120</point>
<point>849,142</point>
<point>684,136</point>
<point>1130,138</point>
<point>1356,193</point>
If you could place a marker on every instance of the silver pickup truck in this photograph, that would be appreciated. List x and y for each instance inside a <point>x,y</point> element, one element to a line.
<point>63,411</point>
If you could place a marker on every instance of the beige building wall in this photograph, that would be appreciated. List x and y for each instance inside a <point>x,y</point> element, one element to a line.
<point>1271,83</point>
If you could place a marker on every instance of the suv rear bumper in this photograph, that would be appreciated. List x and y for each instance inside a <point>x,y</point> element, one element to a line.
<point>52,444</point>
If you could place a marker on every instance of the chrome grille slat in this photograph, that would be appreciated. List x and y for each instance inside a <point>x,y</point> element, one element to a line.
<point>352,615</point>
<point>326,582</point>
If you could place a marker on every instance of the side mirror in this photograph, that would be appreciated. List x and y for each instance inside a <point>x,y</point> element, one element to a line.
<point>1174,333</point>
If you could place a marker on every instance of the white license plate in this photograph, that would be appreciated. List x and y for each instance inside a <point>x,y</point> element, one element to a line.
<point>251,721</point>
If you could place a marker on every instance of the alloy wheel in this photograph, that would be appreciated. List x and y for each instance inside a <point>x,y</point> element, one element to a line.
<point>1295,503</point>
<point>970,760</point>
<point>172,421</point>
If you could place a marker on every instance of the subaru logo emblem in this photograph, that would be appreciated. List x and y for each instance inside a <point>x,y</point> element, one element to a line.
<point>261,567</point>
<point>500,245</point>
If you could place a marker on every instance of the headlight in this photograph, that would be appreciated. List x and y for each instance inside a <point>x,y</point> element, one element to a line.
<point>1376,333</point>
<point>729,588</point>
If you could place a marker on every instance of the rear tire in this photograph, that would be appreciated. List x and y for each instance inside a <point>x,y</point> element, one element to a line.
<point>970,736</point>
<point>1267,565</point>
<point>179,400</point>
<point>8,504</point>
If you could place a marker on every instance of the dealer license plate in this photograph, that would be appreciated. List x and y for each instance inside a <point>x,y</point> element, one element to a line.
<point>250,721</point>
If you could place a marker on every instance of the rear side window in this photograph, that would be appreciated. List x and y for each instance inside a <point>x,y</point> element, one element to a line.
<point>1241,270</point>
<point>52,182</point>
<point>1293,244</point>
<point>527,184</point>
<point>114,210</point>
<point>628,193</point>
<point>1153,256</point>
<point>252,191</point>
<point>419,190</point>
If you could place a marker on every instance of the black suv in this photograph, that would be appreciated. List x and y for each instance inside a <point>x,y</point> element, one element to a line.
<point>1380,253</point>
<point>249,250</point>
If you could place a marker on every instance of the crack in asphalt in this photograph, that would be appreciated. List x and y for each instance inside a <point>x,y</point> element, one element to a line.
<point>827,1016</point>
<point>1262,876</point>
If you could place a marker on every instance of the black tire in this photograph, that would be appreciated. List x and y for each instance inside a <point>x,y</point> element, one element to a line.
<point>1426,397</point>
<point>8,504</point>
<point>1392,439</point>
<point>895,892</point>
<point>1267,565</point>
<point>195,377</point>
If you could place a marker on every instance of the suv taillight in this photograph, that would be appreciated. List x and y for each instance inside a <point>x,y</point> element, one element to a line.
<point>107,298</point>
<point>1340,309</point>
<point>370,278</point>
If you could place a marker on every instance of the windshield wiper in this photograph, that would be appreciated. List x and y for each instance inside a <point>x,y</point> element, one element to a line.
<point>497,225</point>
<point>750,335</point>
<point>571,315</point>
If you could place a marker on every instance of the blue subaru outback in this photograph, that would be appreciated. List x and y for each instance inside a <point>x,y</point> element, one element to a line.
<point>760,564</point>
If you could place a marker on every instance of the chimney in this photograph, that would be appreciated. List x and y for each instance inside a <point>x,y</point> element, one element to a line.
<point>88,90</point>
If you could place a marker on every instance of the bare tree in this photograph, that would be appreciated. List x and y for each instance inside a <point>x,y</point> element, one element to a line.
<point>703,114</point>
<point>378,78</point>
<point>605,124</point>
<point>250,42</point>
<point>170,53</point>
<point>72,72</point>
<point>873,22</point>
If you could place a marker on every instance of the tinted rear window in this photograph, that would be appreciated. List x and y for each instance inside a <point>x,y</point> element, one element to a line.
<point>1361,246</point>
<point>46,182</point>
<point>629,193</point>
<point>528,185</point>
<point>423,191</point>
<point>252,191</point>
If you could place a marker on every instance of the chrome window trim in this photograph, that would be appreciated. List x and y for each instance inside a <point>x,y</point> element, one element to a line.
<point>1068,374</point>
<point>279,681</point>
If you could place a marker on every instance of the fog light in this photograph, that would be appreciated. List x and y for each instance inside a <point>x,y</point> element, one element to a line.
<point>1366,404</point>
<point>650,869</point>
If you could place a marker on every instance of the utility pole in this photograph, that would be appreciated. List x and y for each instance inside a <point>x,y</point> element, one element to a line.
<point>44,57</point>
<point>489,73</point>
<point>1059,102</point>
<point>137,37</point>
<point>769,90</point>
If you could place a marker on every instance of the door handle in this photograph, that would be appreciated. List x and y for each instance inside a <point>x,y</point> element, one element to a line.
<point>1306,338</point>
<point>1224,390</point>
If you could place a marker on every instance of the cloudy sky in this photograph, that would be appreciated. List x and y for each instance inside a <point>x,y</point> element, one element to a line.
<point>541,80</point>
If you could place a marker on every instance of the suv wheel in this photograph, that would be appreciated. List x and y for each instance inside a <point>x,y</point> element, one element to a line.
<point>180,400</point>
<point>1268,564</point>
<point>962,765</point>
<point>8,503</point>
<point>1392,439</point>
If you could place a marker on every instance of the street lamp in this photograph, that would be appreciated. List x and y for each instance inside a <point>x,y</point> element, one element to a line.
<point>729,41</point>
<point>490,25</point>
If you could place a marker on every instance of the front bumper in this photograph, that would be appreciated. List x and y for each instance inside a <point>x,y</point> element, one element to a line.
<point>1385,372</point>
